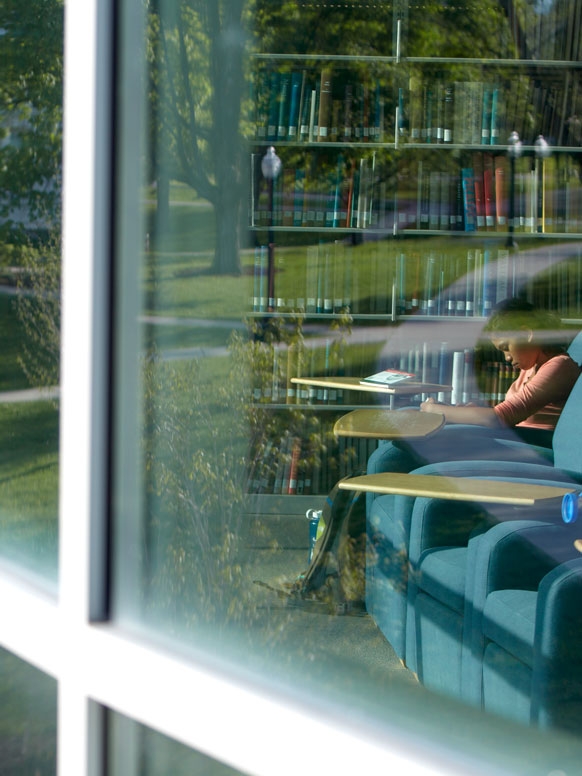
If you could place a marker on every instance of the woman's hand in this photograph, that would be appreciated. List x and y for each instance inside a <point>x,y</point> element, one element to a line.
<point>430,405</point>
<point>468,414</point>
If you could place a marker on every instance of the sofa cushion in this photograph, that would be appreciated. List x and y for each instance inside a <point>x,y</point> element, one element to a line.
<point>442,573</point>
<point>509,621</point>
<point>506,685</point>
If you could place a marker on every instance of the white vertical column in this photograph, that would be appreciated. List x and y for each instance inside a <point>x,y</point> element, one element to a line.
<point>84,362</point>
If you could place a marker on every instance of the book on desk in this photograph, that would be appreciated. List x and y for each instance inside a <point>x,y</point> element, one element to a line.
<point>388,377</point>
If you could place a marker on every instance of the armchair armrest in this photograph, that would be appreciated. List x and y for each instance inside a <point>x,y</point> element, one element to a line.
<point>557,670</point>
<point>516,554</point>
<point>493,469</point>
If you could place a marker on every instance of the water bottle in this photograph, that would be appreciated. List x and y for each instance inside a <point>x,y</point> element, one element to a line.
<point>570,506</point>
<point>314,516</point>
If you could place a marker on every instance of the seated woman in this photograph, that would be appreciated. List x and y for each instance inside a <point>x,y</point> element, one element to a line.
<point>531,340</point>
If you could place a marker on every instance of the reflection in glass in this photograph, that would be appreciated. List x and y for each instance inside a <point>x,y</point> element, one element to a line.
<point>218,454</point>
<point>28,719</point>
<point>30,145</point>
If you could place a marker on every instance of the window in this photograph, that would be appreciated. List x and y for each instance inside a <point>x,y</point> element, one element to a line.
<point>173,642</point>
<point>30,268</point>
<point>29,704</point>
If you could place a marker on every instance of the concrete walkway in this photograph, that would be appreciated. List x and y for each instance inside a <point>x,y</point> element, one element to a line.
<point>29,394</point>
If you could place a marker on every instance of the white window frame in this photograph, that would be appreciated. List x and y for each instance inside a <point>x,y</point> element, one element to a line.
<point>65,635</point>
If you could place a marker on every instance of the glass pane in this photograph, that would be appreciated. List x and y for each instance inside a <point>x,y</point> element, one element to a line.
<point>28,719</point>
<point>136,749</point>
<point>314,194</point>
<point>30,228</point>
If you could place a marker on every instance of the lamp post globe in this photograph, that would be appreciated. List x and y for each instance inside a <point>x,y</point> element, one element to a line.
<point>271,167</point>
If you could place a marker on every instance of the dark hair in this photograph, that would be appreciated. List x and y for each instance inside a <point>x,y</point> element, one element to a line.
<point>514,315</point>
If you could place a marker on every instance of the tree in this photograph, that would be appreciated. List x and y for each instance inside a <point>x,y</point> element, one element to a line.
<point>38,306</point>
<point>196,89</point>
<point>31,95</point>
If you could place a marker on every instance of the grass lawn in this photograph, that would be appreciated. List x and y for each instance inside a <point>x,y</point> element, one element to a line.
<point>29,484</point>
<point>12,378</point>
<point>29,437</point>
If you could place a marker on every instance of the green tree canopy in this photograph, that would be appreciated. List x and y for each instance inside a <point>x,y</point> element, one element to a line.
<point>31,96</point>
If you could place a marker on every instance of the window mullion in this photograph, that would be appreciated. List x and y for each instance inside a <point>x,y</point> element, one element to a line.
<point>84,370</point>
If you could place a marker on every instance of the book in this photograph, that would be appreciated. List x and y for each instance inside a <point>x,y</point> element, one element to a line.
<point>415,108</point>
<point>294,466</point>
<point>347,114</point>
<point>489,192</point>
<point>500,193</point>
<point>283,105</point>
<point>457,376</point>
<point>377,128</point>
<point>304,110</point>
<point>448,113</point>
<point>362,113</point>
<point>427,129</point>
<point>325,99</point>
<point>469,205</point>
<point>313,108</point>
<point>388,377</point>
<point>479,191</point>
<point>273,111</point>
<point>434,200</point>
<point>486,111</point>
<point>439,130</point>
<point>494,115</point>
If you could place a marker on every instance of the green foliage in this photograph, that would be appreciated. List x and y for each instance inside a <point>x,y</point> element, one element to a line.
<point>473,28</point>
<point>195,484</point>
<point>38,308</point>
<point>204,439</point>
<point>31,92</point>
<point>12,377</point>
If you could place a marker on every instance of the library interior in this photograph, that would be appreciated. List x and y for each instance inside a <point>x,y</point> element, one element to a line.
<point>414,208</point>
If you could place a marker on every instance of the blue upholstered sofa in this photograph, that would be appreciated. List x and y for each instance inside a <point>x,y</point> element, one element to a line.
<point>417,582</point>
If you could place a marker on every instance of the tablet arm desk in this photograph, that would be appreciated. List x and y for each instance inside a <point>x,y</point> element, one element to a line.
<point>455,488</point>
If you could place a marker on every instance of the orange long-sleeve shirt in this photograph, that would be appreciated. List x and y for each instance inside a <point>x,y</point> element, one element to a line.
<point>538,395</point>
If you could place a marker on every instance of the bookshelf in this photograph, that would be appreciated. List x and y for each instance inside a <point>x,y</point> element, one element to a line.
<point>401,199</point>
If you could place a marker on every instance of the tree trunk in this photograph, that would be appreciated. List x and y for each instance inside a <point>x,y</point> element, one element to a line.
<point>163,204</point>
<point>227,253</point>
<point>226,67</point>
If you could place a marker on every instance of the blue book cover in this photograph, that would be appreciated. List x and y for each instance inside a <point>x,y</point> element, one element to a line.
<point>469,205</point>
<point>296,82</point>
<point>273,106</point>
<point>283,103</point>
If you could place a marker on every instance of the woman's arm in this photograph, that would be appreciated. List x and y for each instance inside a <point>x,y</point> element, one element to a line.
<point>475,416</point>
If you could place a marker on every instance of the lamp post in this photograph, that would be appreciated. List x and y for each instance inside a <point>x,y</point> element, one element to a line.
<point>514,152</point>
<point>542,151</point>
<point>271,167</point>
